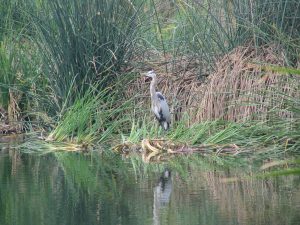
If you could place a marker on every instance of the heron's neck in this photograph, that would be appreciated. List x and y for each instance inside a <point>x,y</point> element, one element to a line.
<point>152,88</point>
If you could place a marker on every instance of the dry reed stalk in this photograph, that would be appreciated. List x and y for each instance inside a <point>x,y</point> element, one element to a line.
<point>9,120</point>
<point>239,88</point>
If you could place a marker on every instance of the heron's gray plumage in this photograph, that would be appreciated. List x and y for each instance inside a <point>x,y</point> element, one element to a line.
<point>159,104</point>
<point>160,96</point>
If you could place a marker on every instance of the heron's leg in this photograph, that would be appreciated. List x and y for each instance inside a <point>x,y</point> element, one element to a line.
<point>157,130</point>
<point>164,132</point>
<point>160,132</point>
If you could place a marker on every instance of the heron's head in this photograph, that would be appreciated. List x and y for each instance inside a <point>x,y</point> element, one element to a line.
<point>150,75</point>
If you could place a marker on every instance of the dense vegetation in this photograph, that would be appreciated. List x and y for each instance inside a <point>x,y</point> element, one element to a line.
<point>71,70</point>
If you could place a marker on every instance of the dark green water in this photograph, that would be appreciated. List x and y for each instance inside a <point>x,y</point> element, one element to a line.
<point>71,188</point>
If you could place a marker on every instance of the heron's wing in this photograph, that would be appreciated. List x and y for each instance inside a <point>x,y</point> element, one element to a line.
<point>156,109</point>
<point>160,96</point>
<point>164,111</point>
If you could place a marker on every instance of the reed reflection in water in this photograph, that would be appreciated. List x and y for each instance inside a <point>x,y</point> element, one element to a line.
<point>71,188</point>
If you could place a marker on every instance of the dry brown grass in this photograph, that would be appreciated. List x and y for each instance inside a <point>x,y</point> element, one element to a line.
<point>9,120</point>
<point>239,88</point>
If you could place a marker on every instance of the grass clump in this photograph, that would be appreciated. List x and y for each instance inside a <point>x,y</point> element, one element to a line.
<point>94,118</point>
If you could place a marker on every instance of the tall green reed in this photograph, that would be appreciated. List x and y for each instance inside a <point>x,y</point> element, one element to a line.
<point>19,79</point>
<point>7,77</point>
<point>208,29</point>
<point>83,42</point>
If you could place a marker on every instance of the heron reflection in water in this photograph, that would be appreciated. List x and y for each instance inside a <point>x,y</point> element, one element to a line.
<point>161,195</point>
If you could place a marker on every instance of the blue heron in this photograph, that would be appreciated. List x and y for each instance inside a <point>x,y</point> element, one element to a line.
<point>159,104</point>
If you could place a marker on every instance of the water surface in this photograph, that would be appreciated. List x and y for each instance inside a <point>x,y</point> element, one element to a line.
<point>73,188</point>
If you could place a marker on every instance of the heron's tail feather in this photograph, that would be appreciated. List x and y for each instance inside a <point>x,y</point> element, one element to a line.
<point>165,125</point>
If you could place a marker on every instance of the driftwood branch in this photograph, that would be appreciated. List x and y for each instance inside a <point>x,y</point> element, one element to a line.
<point>161,149</point>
